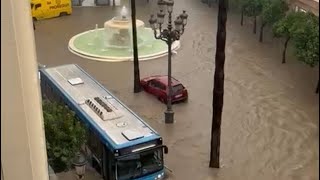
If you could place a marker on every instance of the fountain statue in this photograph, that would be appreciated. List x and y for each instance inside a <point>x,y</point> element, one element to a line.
<point>113,42</point>
<point>121,26</point>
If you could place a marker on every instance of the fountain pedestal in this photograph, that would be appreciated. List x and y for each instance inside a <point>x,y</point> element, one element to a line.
<point>117,31</point>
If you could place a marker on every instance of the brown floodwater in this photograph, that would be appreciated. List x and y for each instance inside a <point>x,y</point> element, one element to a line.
<point>270,127</point>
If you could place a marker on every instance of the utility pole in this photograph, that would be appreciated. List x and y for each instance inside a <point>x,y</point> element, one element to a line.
<point>136,71</point>
<point>217,102</point>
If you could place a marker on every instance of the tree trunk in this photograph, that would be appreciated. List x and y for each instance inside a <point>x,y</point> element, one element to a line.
<point>255,24</point>
<point>285,50</point>
<point>217,101</point>
<point>261,32</point>
<point>242,11</point>
<point>317,90</point>
<point>136,83</point>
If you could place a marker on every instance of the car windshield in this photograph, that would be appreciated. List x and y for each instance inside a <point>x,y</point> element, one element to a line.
<point>138,165</point>
<point>177,88</point>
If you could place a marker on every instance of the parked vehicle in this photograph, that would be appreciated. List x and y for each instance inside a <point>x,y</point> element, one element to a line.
<point>120,144</point>
<point>50,8</point>
<point>158,86</point>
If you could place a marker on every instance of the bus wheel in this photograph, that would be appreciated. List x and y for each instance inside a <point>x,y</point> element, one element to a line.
<point>63,14</point>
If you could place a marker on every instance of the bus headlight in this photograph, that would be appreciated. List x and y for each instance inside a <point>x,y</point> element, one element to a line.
<point>159,177</point>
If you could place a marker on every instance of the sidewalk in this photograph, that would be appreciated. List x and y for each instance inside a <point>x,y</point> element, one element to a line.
<point>91,174</point>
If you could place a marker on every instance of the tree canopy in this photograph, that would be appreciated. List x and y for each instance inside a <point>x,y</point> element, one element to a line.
<point>64,134</point>
<point>306,39</point>
<point>287,26</point>
<point>272,11</point>
<point>252,8</point>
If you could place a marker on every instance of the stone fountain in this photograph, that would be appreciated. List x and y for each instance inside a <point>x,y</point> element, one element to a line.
<point>113,43</point>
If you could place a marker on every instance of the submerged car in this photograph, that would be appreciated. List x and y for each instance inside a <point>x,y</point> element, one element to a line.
<point>158,86</point>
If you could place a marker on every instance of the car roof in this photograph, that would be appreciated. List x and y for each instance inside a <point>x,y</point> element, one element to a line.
<point>164,80</point>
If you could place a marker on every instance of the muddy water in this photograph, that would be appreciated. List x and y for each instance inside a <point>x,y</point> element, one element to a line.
<point>270,115</point>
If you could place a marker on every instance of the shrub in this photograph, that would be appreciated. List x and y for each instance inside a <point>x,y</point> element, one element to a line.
<point>64,135</point>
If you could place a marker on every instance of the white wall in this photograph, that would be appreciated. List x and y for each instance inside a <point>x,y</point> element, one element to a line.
<point>23,153</point>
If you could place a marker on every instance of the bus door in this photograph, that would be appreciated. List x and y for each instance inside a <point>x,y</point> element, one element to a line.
<point>102,160</point>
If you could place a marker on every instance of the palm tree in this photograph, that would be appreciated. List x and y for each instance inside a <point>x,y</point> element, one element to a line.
<point>136,71</point>
<point>218,88</point>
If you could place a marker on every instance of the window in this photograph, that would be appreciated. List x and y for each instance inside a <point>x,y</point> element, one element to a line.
<point>95,145</point>
<point>177,88</point>
<point>152,83</point>
<point>37,6</point>
<point>157,84</point>
<point>96,148</point>
<point>161,86</point>
<point>138,165</point>
<point>302,10</point>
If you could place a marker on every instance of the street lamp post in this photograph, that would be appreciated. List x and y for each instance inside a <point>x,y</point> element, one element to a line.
<point>168,35</point>
<point>79,163</point>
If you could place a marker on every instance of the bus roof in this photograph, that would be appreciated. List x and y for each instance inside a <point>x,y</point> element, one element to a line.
<point>115,123</point>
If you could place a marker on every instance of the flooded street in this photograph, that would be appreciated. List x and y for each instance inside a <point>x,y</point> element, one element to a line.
<point>270,124</point>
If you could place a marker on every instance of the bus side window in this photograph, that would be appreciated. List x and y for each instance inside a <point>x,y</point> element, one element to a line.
<point>95,145</point>
<point>37,6</point>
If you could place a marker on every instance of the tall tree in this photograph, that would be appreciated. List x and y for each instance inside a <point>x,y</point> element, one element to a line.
<point>136,71</point>
<point>242,4</point>
<point>286,27</point>
<point>217,102</point>
<point>253,8</point>
<point>272,11</point>
<point>306,41</point>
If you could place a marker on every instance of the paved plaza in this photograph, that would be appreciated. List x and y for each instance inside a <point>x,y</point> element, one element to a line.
<point>270,113</point>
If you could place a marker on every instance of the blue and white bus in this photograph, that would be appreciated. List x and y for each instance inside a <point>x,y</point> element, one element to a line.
<point>121,146</point>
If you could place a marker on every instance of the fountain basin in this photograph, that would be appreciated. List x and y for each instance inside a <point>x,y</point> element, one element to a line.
<point>90,45</point>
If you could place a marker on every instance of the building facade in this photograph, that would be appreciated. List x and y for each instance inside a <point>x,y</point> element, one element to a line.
<point>305,6</point>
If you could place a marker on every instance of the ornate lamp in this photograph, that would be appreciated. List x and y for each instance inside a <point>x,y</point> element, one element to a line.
<point>184,17</point>
<point>79,163</point>
<point>153,22</point>
<point>160,16</point>
<point>170,4</point>
<point>178,24</point>
<point>168,35</point>
<point>162,4</point>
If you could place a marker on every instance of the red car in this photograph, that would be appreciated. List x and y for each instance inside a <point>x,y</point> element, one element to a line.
<point>158,86</point>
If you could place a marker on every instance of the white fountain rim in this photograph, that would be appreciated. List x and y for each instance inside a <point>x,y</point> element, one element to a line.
<point>74,50</point>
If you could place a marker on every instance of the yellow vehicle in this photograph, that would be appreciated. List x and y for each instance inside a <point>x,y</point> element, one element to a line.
<point>43,9</point>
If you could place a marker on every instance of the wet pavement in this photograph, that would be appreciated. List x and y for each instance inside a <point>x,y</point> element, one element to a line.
<point>270,114</point>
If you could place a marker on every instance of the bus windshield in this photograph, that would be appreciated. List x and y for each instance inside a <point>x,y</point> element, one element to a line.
<point>139,165</point>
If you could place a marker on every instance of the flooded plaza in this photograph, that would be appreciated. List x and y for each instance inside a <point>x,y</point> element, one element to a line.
<point>270,121</point>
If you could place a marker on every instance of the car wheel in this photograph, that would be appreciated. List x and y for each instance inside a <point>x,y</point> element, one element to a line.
<point>63,14</point>
<point>186,100</point>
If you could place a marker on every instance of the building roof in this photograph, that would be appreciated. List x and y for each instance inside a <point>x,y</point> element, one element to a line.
<point>308,5</point>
